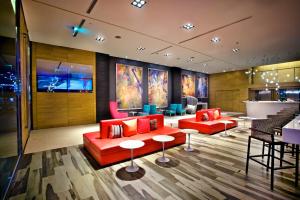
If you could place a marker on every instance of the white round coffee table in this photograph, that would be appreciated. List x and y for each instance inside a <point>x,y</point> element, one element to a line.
<point>163,139</point>
<point>189,132</point>
<point>225,122</point>
<point>132,144</point>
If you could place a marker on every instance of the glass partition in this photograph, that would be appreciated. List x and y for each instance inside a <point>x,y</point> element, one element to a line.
<point>8,91</point>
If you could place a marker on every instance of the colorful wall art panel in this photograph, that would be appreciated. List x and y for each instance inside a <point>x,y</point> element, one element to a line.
<point>188,85</point>
<point>202,87</point>
<point>129,88</point>
<point>158,87</point>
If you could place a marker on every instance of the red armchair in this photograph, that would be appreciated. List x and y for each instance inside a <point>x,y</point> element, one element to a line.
<point>115,114</point>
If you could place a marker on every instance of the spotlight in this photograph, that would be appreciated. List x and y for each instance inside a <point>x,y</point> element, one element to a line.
<point>215,40</point>
<point>100,38</point>
<point>235,50</point>
<point>188,26</point>
<point>138,3</point>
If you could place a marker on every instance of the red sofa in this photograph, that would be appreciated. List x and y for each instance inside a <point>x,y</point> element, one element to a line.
<point>207,127</point>
<point>107,151</point>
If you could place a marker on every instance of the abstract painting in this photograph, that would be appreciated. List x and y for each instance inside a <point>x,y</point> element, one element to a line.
<point>158,87</point>
<point>188,85</point>
<point>202,88</point>
<point>129,88</point>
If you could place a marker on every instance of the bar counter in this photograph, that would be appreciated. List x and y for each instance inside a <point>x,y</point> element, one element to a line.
<point>260,109</point>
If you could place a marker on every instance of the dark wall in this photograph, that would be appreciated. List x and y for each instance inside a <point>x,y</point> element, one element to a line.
<point>106,81</point>
<point>102,86</point>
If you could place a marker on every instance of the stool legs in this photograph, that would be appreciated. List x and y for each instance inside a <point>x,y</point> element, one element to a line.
<point>272,167</point>
<point>297,165</point>
<point>248,154</point>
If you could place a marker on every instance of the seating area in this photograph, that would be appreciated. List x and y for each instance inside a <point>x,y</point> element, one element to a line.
<point>145,99</point>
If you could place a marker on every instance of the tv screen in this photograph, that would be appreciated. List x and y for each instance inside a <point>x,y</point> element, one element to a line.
<point>57,76</point>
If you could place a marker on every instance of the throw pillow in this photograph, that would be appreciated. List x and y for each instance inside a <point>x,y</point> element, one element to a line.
<point>115,131</point>
<point>211,115</point>
<point>205,117</point>
<point>143,125</point>
<point>216,114</point>
<point>153,124</point>
<point>130,127</point>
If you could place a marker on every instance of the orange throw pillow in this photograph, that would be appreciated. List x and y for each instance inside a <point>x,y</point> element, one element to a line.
<point>130,128</point>
<point>216,114</point>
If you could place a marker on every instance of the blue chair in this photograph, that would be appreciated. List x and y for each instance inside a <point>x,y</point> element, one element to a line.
<point>146,110</point>
<point>180,110</point>
<point>172,109</point>
<point>153,110</point>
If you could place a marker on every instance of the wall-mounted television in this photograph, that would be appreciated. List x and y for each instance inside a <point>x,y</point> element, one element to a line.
<point>59,76</point>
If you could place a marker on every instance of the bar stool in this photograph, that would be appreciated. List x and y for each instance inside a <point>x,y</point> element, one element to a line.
<point>262,130</point>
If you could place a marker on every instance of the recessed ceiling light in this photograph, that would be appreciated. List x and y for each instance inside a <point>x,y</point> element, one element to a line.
<point>215,40</point>
<point>141,48</point>
<point>235,50</point>
<point>100,38</point>
<point>138,3</point>
<point>224,70</point>
<point>167,54</point>
<point>188,26</point>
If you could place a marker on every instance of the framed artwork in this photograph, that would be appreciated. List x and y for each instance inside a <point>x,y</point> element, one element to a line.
<point>202,87</point>
<point>158,87</point>
<point>129,88</point>
<point>188,85</point>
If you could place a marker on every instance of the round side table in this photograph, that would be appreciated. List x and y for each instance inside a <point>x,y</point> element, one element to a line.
<point>163,139</point>
<point>189,132</point>
<point>132,144</point>
<point>225,122</point>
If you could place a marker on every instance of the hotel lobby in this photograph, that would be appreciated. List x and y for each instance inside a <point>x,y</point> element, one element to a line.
<point>148,99</point>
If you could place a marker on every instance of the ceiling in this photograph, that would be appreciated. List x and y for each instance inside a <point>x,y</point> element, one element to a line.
<point>265,31</point>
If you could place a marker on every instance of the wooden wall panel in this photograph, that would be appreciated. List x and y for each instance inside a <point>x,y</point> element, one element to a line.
<point>228,91</point>
<point>62,109</point>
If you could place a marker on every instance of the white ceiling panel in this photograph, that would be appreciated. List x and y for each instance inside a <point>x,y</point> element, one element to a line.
<point>265,31</point>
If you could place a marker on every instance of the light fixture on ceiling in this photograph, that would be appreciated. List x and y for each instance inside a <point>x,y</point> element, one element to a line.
<point>138,3</point>
<point>167,54</point>
<point>235,50</point>
<point>141,48</point>
<point>188,26</point>
<point>100,38</point>
<point>215,40</point>
<point>224,70</point>
<point>190,59</point>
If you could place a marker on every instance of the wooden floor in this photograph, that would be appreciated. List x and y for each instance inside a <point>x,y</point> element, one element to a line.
<point>215,170</point>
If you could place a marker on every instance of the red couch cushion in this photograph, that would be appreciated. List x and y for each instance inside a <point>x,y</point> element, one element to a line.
<point>210,112</point>
<point>110,146</point>
<point>143,125</point>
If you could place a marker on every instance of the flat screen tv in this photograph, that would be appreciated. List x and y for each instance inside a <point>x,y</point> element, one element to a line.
<point>58,76</point>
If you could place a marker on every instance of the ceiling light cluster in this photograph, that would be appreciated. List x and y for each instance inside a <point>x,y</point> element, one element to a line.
<point>188,26</point>
<point>138,3</point>
<point>100,38</point>
<point>235,50</point>
<point>215,40</point>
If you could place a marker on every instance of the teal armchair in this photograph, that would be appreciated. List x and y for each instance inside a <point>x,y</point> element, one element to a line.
<point>172,109</point>
<point>146,110</point>
<point>153,110</point>
<point>180,110</point>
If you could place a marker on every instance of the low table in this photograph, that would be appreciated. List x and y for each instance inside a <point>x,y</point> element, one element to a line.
<point>163,139</point>
<point>133,113</point>
<point>189,132</point>
<point>239,120</point>
<point>225,122</point>
<point>132,144</point>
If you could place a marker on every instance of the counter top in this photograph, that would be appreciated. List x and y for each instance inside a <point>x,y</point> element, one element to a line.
<point>275,102</point>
